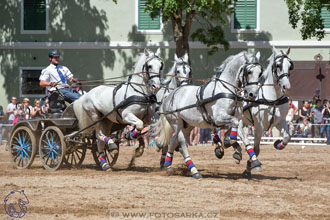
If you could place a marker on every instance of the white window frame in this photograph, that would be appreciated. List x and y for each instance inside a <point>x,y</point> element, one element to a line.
<point>160,31</point>
<point>252,31</point>
<point>21,82</point>
<point>34,31</point>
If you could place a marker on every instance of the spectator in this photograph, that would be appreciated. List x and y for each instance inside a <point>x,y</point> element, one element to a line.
<point>37,110</point>
<point>194,136</point>
<point>317,118</point>
<point>204,135</point>
<point>295,109</point>
<point>10,110</point>
<point>45,105</point>
<point>304,111</point>
<point>317,95</point>
<point>2,116</point>
<point>326,122</point>
<point>18,113</point>
<point>27,108</point>
<point>305,128</point>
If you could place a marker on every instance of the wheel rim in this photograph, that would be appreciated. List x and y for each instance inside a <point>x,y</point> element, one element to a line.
<point>22,148</point>
<point>51,149</point>
<point>75,158</point>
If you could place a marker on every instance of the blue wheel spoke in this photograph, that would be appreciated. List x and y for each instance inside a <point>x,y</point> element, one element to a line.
<point>26,154</point>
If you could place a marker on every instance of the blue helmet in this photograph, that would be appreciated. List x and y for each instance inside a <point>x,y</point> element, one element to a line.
<point>53,53</point>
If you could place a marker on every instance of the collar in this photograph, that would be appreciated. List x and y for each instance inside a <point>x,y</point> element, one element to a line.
<point>52,66</point>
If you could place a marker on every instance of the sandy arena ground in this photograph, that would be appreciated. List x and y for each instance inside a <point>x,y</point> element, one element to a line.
<point>294,184</point>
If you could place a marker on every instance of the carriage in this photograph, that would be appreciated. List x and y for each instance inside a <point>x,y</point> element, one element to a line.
<point>46,137</point>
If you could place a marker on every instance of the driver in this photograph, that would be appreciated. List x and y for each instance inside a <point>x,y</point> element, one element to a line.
<point>56,75</point>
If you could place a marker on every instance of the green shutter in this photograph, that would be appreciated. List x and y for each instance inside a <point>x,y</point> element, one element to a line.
<point>34,15</point>
<point>145,22</point>
<point>325,14</point>
<point>245,16</point>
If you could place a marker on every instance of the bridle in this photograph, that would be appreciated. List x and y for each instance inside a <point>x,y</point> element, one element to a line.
<point>184,64</point>
<point>146,67</point>
<point>275,67</point>
<point>245,70</point>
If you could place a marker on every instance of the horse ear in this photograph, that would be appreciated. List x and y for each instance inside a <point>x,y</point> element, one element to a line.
<point>146,52</point>
<point>246,58</point>
<point>176,58</point>
<point>185,57</point>
<point>258,56</point>
<point>282,52</point>
<point>274,49</point>
<point>157,52</point>
<point>288,51</point>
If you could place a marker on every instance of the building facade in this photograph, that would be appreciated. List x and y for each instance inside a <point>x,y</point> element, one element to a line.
<point>100,39</point>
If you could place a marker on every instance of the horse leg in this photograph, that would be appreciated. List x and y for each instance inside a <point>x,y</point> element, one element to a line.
<point>102,139</point>
<point>279,144</point>
<point>218,150</point>
<point>250,149</point>
<point>257,138</point>
<point>163,156</point>
<point>185,153</point>
<point>138,126</point>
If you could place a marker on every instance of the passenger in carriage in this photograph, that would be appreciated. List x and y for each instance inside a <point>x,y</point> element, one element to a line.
<point>57,76</point>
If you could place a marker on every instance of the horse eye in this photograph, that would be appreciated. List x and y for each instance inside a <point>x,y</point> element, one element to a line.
<point>177,71</point>
<point>149,66</point>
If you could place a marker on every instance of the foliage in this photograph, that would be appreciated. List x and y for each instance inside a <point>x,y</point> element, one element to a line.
<point>209,16</point>
<point>309,13</point>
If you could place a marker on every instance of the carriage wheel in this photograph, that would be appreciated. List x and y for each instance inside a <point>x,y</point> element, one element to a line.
<point>110,155</point>
<point>23,147</point>
<point>52,148</point>
<point>75,156</point>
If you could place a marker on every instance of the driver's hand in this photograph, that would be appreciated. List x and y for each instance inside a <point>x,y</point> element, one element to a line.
<point>53,84</point>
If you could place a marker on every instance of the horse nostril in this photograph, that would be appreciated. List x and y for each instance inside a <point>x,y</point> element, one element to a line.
<point>284,87</point>
<point>251,94</point>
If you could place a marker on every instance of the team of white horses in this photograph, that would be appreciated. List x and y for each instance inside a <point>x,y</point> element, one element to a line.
<point>241,94</point>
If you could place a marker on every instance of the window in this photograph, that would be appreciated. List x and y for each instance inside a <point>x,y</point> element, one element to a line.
<point>144,21</point>
<point>325,14</point>
<point>246,15</point>
<point>29,82</point>
<point>34,16</point>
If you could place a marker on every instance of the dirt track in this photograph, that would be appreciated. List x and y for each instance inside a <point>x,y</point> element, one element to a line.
<point>294,184</point>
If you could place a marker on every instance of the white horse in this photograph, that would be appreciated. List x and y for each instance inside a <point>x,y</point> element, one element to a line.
<point>214,104</point>
<point>130,103</point>
<point>273,103</point>
<point>177,76</point>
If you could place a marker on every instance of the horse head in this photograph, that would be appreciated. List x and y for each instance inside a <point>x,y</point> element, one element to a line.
<point>281,67</point>
<point>152,67</point>
<point>249,75</point>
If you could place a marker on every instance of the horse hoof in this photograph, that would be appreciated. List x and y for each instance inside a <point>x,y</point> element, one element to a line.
<point>219,152</point>
<point>246,174</point>
<point>227,142</point>
<point>258,169</point>
<point>237,156</point>
<point>169,170</point>
<point>197,176</point>
<point>276,145</point>
<point>139,151</point>
<point>112,146</point>
<point>255,163</point>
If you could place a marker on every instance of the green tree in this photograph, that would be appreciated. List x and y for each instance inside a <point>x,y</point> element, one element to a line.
<point>309,13</point>
<point>209,17</point>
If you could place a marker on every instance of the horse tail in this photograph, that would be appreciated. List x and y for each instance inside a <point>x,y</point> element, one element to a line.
<point>164,132</point>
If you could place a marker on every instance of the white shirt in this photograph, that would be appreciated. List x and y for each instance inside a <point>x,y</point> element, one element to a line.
<point>50,74</point>
<point>11,107</point>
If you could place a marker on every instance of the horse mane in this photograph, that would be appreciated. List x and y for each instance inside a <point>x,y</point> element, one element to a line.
<point>138,66</point>
<point>224,64</point>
